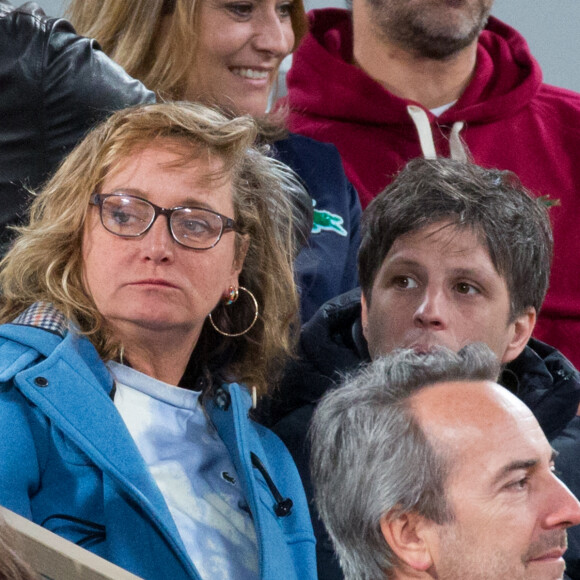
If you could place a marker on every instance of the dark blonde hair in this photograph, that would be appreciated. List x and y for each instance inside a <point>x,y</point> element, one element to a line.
<point>129,31</point>
<point>45,263</point>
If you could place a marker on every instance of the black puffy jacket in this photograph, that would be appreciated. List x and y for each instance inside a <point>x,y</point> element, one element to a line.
<point>54,86</point>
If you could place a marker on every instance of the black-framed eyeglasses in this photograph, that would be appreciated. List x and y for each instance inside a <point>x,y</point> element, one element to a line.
<point>129,216</point>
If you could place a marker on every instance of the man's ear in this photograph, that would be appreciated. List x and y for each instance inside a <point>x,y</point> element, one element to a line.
<point>520,331</point>
<point>364,314</point>
<point>409,536</point>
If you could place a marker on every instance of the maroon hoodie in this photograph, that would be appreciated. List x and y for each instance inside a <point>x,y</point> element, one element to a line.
<point>506,117</point>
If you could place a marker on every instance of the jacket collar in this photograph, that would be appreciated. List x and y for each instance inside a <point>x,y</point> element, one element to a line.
<point>547,382</point>
<point>45,316</point>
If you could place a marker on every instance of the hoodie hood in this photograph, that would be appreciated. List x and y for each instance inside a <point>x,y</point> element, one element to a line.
<point>322,80</point>
<point>547,382</point>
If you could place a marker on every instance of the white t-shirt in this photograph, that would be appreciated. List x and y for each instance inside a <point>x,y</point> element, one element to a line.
<point>194,472</point>
<point>438,111</point>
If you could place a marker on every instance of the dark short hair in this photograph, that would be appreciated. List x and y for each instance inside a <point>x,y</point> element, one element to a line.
<point>371,458</point>
<point>512,224</point>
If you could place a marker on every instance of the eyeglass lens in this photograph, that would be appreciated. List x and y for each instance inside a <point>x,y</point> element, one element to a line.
<point>130,217</point>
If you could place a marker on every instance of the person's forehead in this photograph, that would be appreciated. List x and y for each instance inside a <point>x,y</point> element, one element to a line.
<point>161,174</point>
<point>444,235</point>
<point>481,424</point>
<point>477,403</point>
<point>171,154</point>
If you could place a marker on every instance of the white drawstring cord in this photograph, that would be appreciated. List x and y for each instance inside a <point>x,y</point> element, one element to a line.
<point>254,397</point>
<point>423,126</point>
<point>421,120</point>
<point>456,146</point>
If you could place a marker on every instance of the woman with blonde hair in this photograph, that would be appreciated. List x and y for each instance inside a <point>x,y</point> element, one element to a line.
<point>228,53</point>
<point>153,280</point>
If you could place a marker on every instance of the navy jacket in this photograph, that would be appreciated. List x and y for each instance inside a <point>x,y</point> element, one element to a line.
<point>326,267</point>
<point>68,462</point>
<point>332,343</point>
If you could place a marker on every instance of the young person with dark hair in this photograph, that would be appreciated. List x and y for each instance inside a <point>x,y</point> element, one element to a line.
<point>451,254</point>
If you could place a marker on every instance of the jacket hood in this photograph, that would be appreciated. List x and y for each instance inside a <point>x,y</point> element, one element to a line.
<point>547,382</point>
<point>322,80</point>
<point>332,341</point>
<point>332,344</point>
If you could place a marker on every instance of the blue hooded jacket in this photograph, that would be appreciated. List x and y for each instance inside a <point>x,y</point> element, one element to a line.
<point>68,462</point>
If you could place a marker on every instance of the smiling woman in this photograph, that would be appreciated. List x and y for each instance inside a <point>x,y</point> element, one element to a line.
<point>238,67</point>
<point>164,42</point>
<point>156,270</point>
<point>227,53</point>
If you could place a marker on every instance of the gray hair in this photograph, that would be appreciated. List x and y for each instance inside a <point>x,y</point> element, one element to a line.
<point>512,225</point>
<point>371,458</point>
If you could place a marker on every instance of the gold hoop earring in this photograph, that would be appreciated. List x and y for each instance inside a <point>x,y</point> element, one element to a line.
<point>227,302</point>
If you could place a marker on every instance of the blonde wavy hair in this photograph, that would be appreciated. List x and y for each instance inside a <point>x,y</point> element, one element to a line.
<point>130,32</point>
<point>45,262</point>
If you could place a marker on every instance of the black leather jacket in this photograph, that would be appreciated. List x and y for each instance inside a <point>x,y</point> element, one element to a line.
<point>54,86</point>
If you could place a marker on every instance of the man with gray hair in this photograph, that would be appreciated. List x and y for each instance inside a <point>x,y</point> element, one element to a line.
<point>424,467</point>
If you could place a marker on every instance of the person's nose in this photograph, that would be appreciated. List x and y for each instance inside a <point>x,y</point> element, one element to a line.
<point>157,244</point>
<point>431,312</point>
<point>273,35</point>
<point>563,509</point>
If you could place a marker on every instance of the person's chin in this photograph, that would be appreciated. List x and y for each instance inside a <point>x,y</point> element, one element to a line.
<point>156,323</point>
<point>155,314</point>
<point>254,105</point>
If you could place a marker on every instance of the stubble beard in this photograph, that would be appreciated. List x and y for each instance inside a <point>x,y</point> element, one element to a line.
<point>465,558</point>
<point>427,30</point>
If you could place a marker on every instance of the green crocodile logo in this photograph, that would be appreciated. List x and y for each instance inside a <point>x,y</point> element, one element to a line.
<point>327,222</point>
